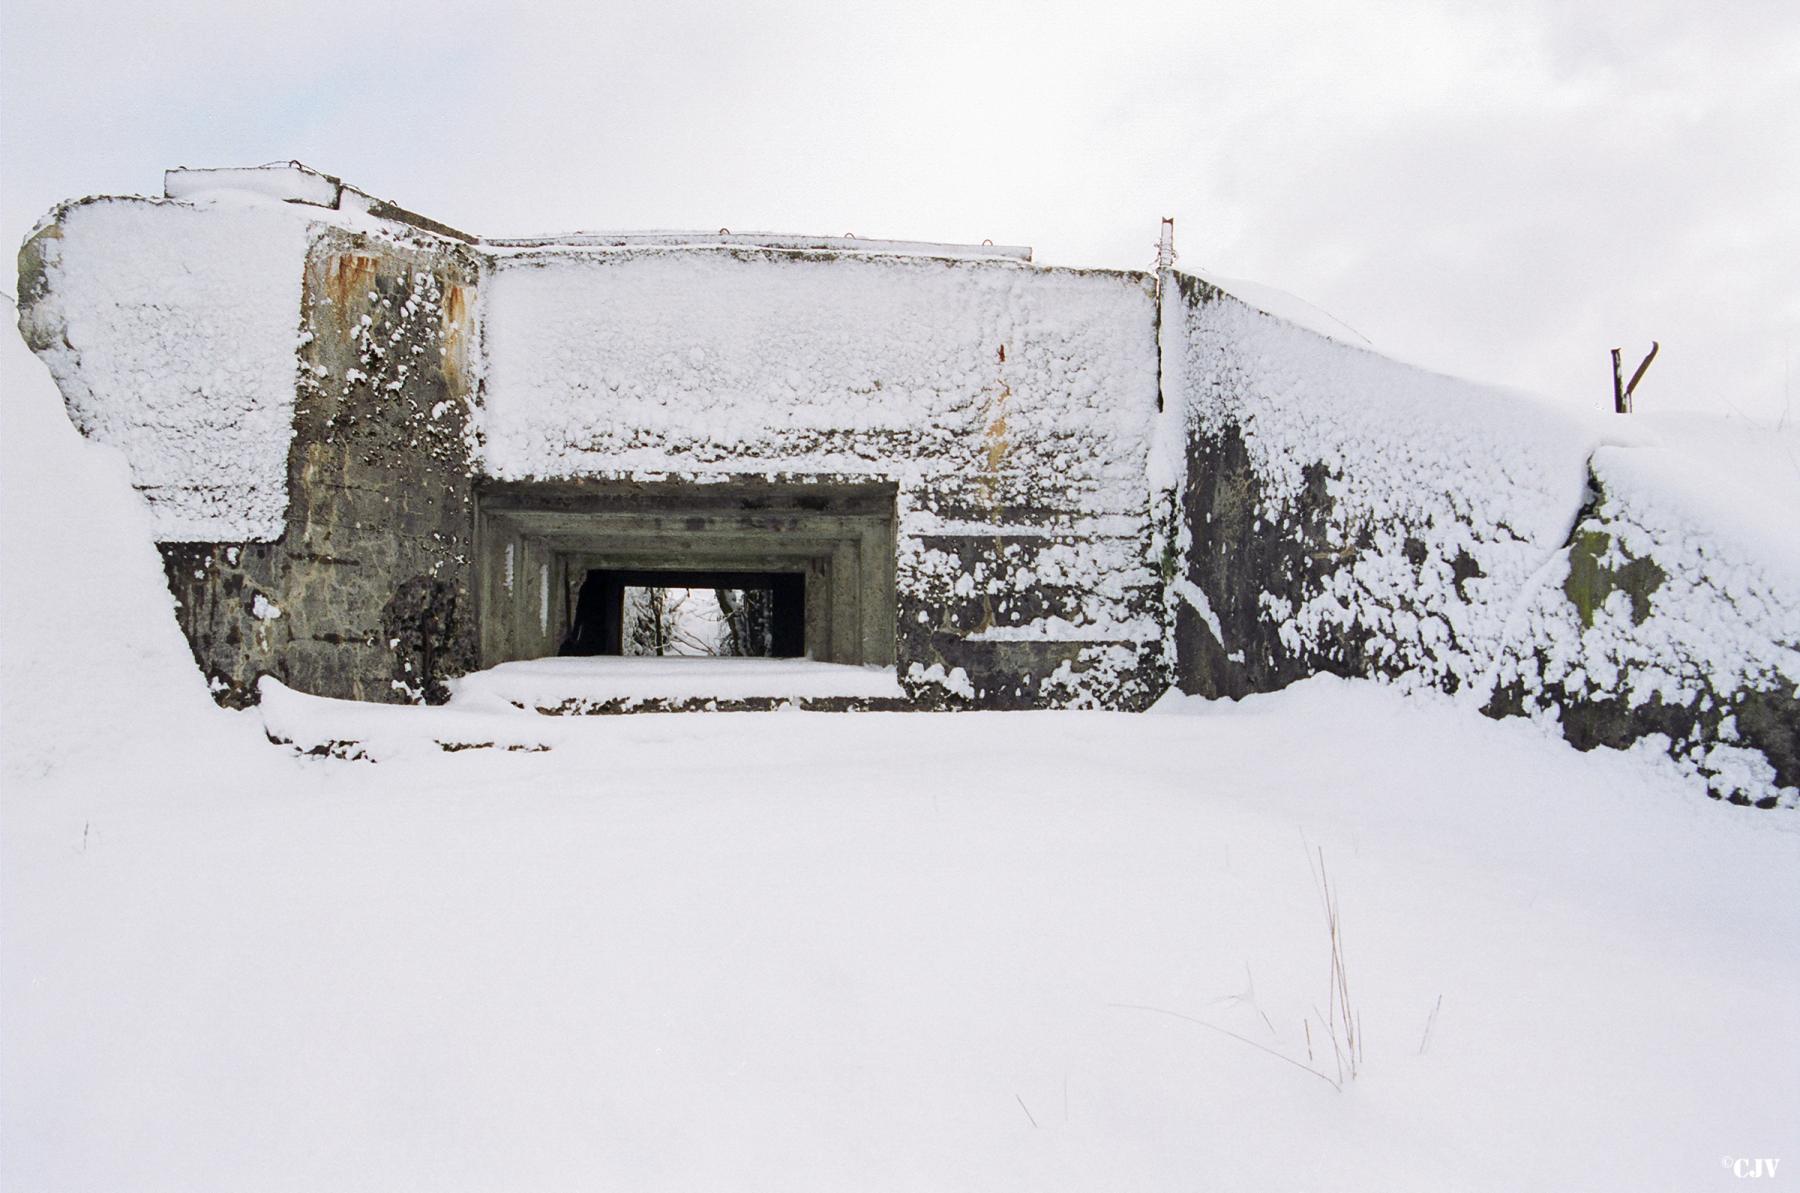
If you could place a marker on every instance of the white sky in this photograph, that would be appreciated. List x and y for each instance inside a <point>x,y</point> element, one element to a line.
<point>1504,190</point>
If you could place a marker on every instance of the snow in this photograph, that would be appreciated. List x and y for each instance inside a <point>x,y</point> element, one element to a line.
<point>1730,481</point>
<point>1289,308</point>
<point>504,707</point>
<point>292,183</point>
<point>698,361</point>
<point>505,246</point>
<point>1195,598</point>
<point>1724,616</point>
<point>1063,629</point>
<point>548,682</point>
<point>954,681</point>
<point>87,628</point>
<point>359,730</point>
<point>172,330</point>
<point>807,951</point>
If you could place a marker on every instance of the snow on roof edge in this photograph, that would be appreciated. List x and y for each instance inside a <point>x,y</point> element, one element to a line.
<point>1287,306</point>
<point>847,243</point>
<point>291,182</point>
<point>1604,427</point>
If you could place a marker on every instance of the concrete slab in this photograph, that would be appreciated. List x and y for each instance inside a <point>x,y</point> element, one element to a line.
<point>602,684</point>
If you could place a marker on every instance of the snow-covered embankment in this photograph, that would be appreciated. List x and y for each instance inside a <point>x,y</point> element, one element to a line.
<point>1631,580</point>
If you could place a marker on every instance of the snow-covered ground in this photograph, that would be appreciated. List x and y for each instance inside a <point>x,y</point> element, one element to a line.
<point>802,951</point>
<point>806,951</point>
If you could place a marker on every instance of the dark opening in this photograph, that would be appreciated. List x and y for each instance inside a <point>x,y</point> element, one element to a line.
<point>772,618</point>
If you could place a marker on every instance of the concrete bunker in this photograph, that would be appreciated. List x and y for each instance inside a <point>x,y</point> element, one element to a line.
<point>938,452</point>
<point>1017,486</point>
<point>555,559</point>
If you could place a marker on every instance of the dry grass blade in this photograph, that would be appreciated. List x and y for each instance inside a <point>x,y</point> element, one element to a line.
<point>1342,1023</point>
<point>1430,1022</point>
<point>1132,1006</point>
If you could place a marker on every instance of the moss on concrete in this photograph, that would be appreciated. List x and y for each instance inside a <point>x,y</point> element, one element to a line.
<point>1592,580</point>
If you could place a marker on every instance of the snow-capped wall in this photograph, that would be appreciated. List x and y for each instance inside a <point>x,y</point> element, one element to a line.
<point>1030,384</point>
<point>1343,512</point>
<point>171,330</point>
<point>1012,406</point>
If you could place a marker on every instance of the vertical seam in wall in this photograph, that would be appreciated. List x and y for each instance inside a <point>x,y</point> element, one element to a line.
<point>1519,609</point>
<point>1157,327</point>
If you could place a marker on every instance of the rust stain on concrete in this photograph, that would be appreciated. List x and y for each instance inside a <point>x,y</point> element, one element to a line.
<point>348,279</point>
<point>995,435</point>
<point>458,320</point>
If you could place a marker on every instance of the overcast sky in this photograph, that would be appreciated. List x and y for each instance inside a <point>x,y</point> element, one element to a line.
<point>1499,190</point>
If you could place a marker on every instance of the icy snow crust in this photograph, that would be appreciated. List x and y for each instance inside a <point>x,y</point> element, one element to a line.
<point>171,330</point>
<point>1424,472</point>
<point>717,361</point>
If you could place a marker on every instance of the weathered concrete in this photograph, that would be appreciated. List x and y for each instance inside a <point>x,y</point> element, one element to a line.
<point>839,537</point>
<point>367,595</point>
